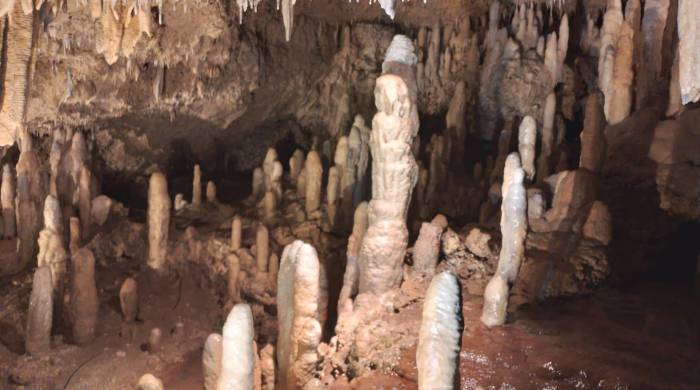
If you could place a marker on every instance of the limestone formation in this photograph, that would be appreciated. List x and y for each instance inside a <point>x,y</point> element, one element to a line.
<point>495,302</point>
<point>313,177</point>
<point>40,313</point>
<point>688,44</point>
<point>623,74</point>
<point>296,163</point>
<point>653,26</point>
<point>52,252</point>
<point>211,360</point>
<point>262,248</point>
<point>85,201</point>
<point>84,301</point>
<point>237,356</point>
<point>74,226</point>
<point>394,175</point>
<point>236,230</point>
<point>551,59</point>
<point>129,300</point>
<point>358,145</point>
<point>513,219</point>
<point>211,192</point>
<point>437,354</point>
<point>7,201</point>
<point>527,136</point>
<point>300,307</point>
<point>562,45</point>
<point>234,269</point>
<point>29,202</point>
<point>149,382</point>
<point>592,136</point>
<point>427,248</point>
<point>197,186</point>
<point>350,278</point>
<point>158,220</point>
<point>612,21</point>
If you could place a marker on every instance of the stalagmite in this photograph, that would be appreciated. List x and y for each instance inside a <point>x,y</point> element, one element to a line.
<point>211,360</point>
<point>84,301</point>
<point>211,192</point>
<point>7,200</point>
<point>149,382</point>
<point>40,313</point>
<point>234,269</point>
<point>197,186</point>
<point>85,201</point>
<point>350,278</point>
<point>269,206</point>
<point>262,248</point>
<point>313,177</point>
<point>29,200</point>
<point>688,46</point>
<point>236,230</point>
<point>623,75</point>
<point>301,183</point>
<point>258,184</point>
<point>427,248</point>
<point>155,339</point>
<point>129,300</point>
<point>437,354</point>
<point>158,220</point>
<point>267,365</point>
<point>495,301</point>
<point>74,226</point>
<point>394,175</point>
<point>527,136</point>
<point>52,252</point>
<point>237,356</point>
<point>17,58</point>
<point>513,219</point>
<point>300,304</point>
<point>273,266</point>
<point>296,163</point>
<point>332,190</point>
<point>592,135</point>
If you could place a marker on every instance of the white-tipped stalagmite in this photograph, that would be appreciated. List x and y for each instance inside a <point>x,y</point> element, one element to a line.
<point>211,360</point>
<point>296,163</point>
<point>301,301</point>
<point>623,75</point>
<point>236,231</point>
<point>350,278</point>
<point>84,301</point>
<point>211,192</point>
<point>262,248</point>
<point>129,300</point>
<point>527,137</point>
<point>85,200</point>
<point>688,47</point>
<point>267,366</point>
<point>437,355</point>
<point>7,200</point>
<point>592,136</point>
<point>427,248</point>
<point>313,177</point>
<point>495,301</point>
<point>52,252</point>
<point>158,220</point>
<point>394,175</point>
<point>237,356</point>
<point>513,219</point>
<point>197,186</point>
<point>37,339</point>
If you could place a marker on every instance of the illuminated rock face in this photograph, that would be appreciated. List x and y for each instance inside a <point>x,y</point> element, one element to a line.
<point>301,304</point>
<point>394,175</point>
<point>440,332</point>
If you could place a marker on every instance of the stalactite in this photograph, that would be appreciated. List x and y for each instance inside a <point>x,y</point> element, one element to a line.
<point>288,18</point>
<point>612,20</point>
<point>688,46</point>
<point>562,46</point>
<point>623,75</point>
<point>18,54</point>
<point>437,354</point>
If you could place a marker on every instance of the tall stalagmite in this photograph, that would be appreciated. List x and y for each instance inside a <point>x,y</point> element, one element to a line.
<point>237,356</point>
<point>158,220</point>
<point>37,337</point>
<point>394,174</point>
<point>84,300</point>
